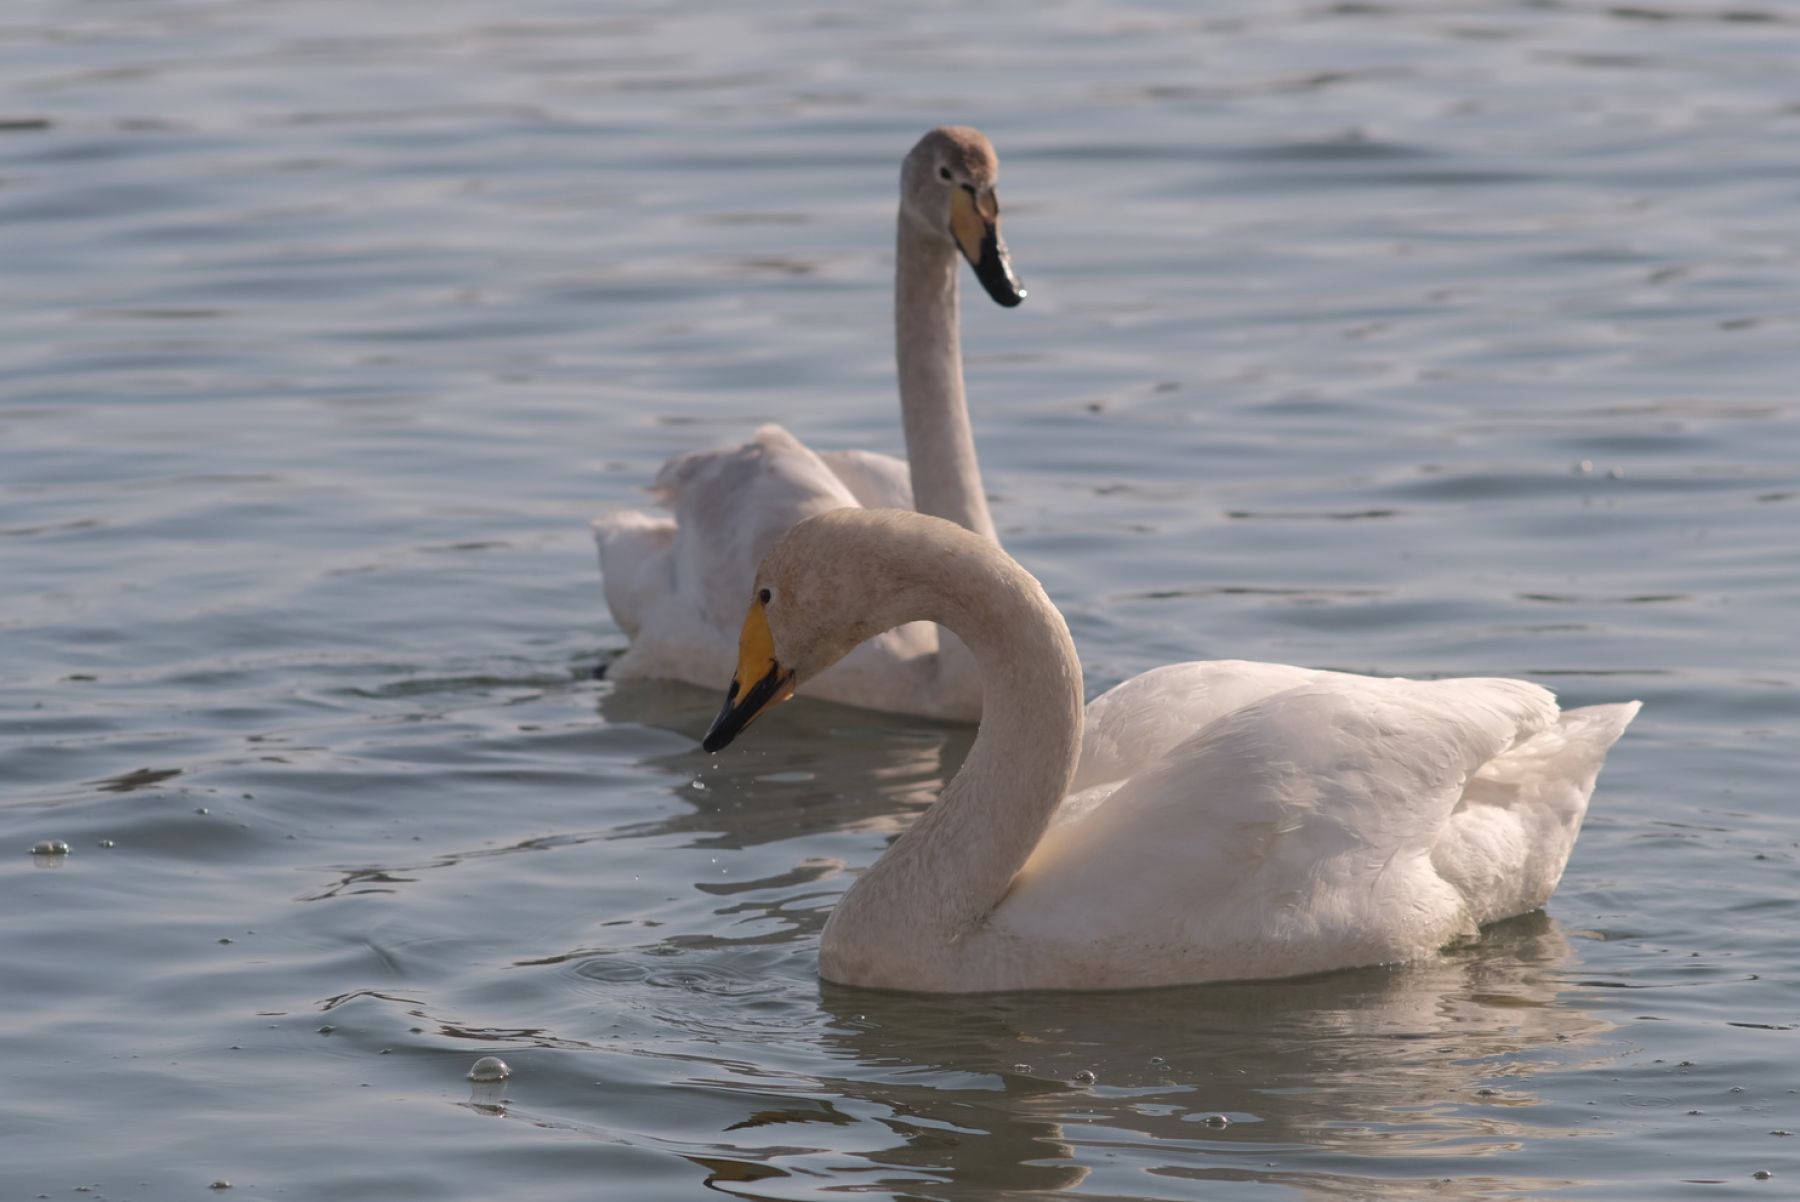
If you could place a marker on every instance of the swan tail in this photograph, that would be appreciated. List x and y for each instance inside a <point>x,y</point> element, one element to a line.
<point>635,563</point>
<point>1510,836</point>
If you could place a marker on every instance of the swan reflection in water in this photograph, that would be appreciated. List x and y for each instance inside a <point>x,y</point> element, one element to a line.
<point>1398,1081</point>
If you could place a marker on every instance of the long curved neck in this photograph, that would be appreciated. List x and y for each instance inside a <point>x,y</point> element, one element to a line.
<point>939,882</point>
<point>940,446</point>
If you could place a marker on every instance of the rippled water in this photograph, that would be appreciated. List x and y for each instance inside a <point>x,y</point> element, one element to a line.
<point>1413,338</point>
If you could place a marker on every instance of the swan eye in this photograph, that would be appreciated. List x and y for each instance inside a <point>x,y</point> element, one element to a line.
<point>944,174</point>
<point>764,596</point>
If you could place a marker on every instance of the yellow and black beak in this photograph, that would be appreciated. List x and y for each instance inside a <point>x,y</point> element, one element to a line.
<point>975,224</point>
<point>758,684</point>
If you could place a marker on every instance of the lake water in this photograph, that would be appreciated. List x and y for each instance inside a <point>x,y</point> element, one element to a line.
<point>1414,338</point>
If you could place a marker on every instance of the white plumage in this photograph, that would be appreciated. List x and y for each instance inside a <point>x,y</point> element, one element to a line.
<point>677,584</point>
<point>1204,821</point>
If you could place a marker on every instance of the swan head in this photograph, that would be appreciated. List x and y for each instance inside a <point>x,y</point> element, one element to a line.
<point>833,581</point>
<point>947,189</point>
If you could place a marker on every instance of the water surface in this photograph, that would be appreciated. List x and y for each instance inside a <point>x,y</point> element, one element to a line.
<point>1409,338</point>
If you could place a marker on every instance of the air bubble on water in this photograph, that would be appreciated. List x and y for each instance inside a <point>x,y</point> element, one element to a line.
<point>1157,1060</point>
<point>1085,1077</point>
<point>1217,1120</point>
<point>50,847</point>
<point>1780,1131</point>
<point>1484,1093</point>
<point>699,784</point>
<point>1021,1068</point>
<point>1584,467</point>
<point>1737,1089</point>
<point>104,843</point>
<point>490,1068</point>
<point>327,1029</point>
<point>1761,1175</point>
<point>221,1183</point>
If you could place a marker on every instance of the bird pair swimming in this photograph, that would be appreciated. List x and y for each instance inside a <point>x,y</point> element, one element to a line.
<point>1204,821</point>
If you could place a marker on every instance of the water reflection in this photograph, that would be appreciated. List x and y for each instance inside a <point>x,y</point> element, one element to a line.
<point>1315,1083</point>
<point>821,767</point>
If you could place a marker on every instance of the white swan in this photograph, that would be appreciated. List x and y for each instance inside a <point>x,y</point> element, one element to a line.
<point>676,585</point>
<point>1208,821</point>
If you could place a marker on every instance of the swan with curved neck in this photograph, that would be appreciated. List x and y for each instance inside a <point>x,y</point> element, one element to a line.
<point>674,584</point>
<point>1206,821</point>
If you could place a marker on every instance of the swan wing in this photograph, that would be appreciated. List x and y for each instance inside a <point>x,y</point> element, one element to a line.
<point>636,563</point>
<point>677,584</point>
<point>731,506</point>
<point>876,481</point>
<point>1137,722</point>
<point>1292,834</point>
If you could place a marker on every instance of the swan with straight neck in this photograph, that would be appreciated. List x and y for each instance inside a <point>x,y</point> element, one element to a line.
<point>675,584</point>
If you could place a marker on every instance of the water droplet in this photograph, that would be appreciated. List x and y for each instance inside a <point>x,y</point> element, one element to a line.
<point>490,1068</point>
<point>1085,1077</point>
<point>1762,1175</point>
<point>221,1183</point>
<point>1217,1120</point>
<point>50,847</point>
<point>201,810</point>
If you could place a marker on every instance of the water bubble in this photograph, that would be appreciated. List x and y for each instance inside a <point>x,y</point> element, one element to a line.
<point>327,1029</point>
<point>1584,468</point>
<point>490,1068</point>
<point>1217,1120</point>
<point>104,843</point>
<point>221,1183</point>
<point>1737,1089</point>
<point>1157,1060</point>
<point>1484,1093</point>
<point>1085,1077</point>
<point>1021,1068</point>
<point>50,847</point>
<point>201,810</point>
<point>699,784</point>
<point>1780,1131</point>
<point>1762,1175</point>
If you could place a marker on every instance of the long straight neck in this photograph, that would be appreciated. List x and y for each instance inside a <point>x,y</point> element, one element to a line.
<point>940,446</point>
<point>902,922</point>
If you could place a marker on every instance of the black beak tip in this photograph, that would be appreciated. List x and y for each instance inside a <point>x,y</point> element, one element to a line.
<point>723,729</point>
